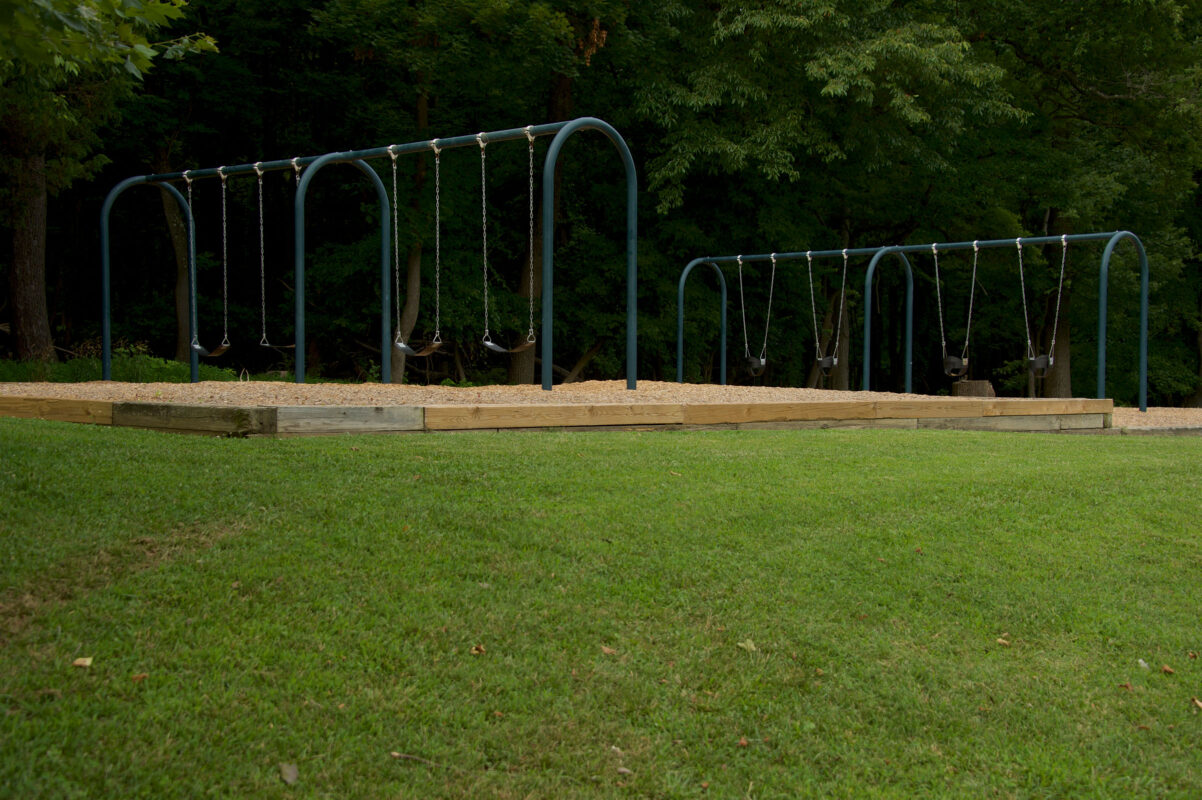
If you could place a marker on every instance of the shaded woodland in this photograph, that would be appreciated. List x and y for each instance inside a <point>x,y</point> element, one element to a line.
<point>779,125</point>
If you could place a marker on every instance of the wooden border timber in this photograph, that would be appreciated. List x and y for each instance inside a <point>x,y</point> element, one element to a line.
<point>96,412</point>
<point>935,413</point>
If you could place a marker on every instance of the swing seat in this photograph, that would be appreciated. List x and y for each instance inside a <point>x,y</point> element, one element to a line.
<point>954,366</point>
<point>756,365</point>
<point>428,349</point>
<point>216,351</point>
<point>826,364</point>
<point>496,348</point>
<point>1040,366</point>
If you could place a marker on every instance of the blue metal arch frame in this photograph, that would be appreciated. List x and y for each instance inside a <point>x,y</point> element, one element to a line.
<point>875,252</point>
<point>1112,239</point>
<point>632,203</point>
<point>867,365</point>
<point>561,131</point>
<point>684,276</point>
<point>385,251</point>
<point>106,321</point>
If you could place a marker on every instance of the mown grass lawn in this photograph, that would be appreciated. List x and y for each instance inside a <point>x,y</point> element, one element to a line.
<point>721,614</point>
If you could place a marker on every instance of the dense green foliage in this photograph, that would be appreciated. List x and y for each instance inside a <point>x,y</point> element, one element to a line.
<point>767,126</point>
<point>782,614</point>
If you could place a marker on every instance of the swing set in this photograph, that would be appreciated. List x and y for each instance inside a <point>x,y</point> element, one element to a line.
<point>954,366</point>
<point>305,170</point>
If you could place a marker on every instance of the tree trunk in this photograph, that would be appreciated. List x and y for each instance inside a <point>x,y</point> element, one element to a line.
<point>413,263</point>
<point>27,276</point>
<point>177,226</point>
<point>1196,400</point>
<point>1059,382</point>
<point>521,365</point>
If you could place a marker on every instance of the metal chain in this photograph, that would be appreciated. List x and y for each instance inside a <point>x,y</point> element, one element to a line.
<point>1059,292</point>
<point>972,291</point>
<point>842,295</point>
<point>192,272</point>
<point>296,169</point>
<point>225,295</point>
<point>813,306</point>
<point>262,260</point>
<point>939,300</point>
<point>396,252</point>
<point>530,149</point>
<point>743,308</point>
<point>768,318</point>
<point>1022,283</point>
<point>480,140</point>
<point>437,243</point>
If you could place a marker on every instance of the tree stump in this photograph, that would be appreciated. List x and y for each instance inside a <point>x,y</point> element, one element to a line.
<point>973,389</point>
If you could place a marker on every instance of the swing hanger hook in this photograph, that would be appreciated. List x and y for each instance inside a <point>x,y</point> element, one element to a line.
<point>295,166</point>
<point>935,248</point>
<point>529,134</point>
<point>481,140</point>
<point>392,152</point>
<point>1064,240</point>
<point>1018,244</point>
<point>434,146</point>
<point>772,256</point>
<point>259,168</point>
<point>975,246</point>
<point>221,173</point>
<point>188,177</point>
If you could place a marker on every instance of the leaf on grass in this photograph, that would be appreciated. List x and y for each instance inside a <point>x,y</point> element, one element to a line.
<point>289,774</point>
<point>141,676</point>
<point>609,651</point>
<point>1143,664</point>
<point>748,645</point>
<point>743,741</point>
<point>477,649</point>
<point>624,771</point>
<point>1197,702</point>
<point>86,661</point>
<point>674,472</point>
<point>1127,686</point>
<point>1167,670</point>
<point>1193,655</point>
<point>615,750</point>
<point>1003,642</point>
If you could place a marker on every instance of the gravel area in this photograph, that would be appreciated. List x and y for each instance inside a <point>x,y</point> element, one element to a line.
<point>375,394</point>
<point>1158,417</point>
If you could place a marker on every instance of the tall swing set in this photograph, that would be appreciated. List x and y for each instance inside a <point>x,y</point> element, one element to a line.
<point>307,168</point>
<point>955,366</point>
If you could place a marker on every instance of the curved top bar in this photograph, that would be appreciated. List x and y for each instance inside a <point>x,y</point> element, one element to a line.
<point>925,248</point>
<point>684,276</point>
<point>565,130</point>
<point>509,134</point>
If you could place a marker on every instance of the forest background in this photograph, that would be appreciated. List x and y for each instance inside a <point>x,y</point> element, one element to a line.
<point>777,125</point>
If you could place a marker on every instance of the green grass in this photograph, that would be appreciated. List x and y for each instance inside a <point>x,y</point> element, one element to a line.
<point>723,614</point>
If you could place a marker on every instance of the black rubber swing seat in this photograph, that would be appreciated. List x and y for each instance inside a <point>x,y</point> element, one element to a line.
<point>216,351</point>
<point>954,366</point>
<point>1040,366</point>
<point>496,348</point>
<point>826,364</point>
<point>756,365</point>
<point>427,349</point>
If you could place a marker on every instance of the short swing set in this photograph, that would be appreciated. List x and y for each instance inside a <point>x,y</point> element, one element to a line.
<point>1039,364</point>
<point>305,170</point>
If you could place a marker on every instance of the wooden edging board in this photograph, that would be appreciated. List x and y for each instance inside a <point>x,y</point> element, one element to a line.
<point>946,413</point>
